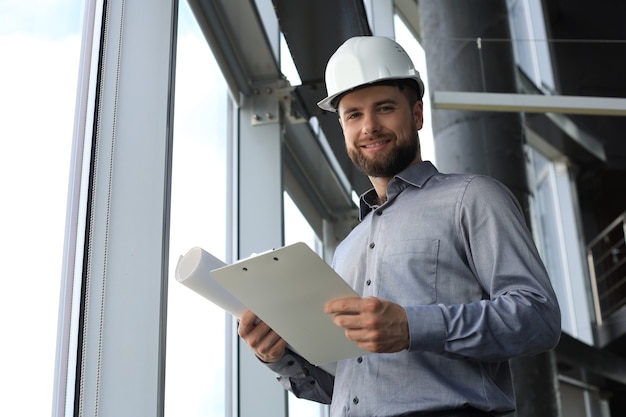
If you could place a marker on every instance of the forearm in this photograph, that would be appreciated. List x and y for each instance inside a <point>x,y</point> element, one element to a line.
<point>514,324</point>
<point>303,379</point>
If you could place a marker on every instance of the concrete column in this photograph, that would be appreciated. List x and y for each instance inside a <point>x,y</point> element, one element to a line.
<point>537,385</point>
<point>468,48</point>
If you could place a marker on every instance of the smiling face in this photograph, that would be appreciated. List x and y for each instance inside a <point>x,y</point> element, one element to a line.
<point>380,129</point>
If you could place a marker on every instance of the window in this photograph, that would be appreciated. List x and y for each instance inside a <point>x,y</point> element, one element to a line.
<point>40,44</point>
<point>530,43</point>
<point>579,399</point>
<point>556,227</point>
<point>297,229</point>
<point>196,328</point>
<point>416,52</point>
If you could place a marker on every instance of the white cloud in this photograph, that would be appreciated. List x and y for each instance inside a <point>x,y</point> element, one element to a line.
<point>38,84</point>
<point>43,18</point>
<point>38,81</point>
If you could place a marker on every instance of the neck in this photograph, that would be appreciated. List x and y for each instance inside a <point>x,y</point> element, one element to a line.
<point>380,183</point>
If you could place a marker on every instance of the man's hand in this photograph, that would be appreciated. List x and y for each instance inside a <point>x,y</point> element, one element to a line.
<point>374,324</point>
<point>266,344</point>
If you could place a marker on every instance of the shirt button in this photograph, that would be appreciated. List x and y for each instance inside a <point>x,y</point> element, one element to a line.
<point>379,212</point>
<point>368,282</point>
<point>372,245</point>
<point>355,400</point>
<point>359,359</point>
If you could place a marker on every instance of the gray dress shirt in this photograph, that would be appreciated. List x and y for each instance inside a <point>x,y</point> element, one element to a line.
<point>455,252</point>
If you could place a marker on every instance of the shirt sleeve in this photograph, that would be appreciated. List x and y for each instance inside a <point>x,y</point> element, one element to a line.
<point>521,315</point>
<point>302,378</point>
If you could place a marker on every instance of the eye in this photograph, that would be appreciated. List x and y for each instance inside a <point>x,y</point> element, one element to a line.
<point>386,108</point>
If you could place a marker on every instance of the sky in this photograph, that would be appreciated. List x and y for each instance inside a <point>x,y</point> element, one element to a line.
<point>39,53</point>
<point>39,49</point>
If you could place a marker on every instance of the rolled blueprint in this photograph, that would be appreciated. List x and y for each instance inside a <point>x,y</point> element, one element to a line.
<point>194,271</point>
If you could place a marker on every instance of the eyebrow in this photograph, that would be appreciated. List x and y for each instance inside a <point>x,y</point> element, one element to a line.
<point>375,104</point>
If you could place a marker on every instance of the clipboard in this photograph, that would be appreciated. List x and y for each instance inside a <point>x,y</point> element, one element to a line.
<point>287,288</point>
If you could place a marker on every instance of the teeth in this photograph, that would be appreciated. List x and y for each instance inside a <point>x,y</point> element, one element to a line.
<point>373,145</point>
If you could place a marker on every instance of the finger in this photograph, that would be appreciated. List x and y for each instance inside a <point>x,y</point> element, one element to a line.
<point>280,346</point>
<point>247,323</point>
<point>271,340</point>
<point>248,319</point>
<point>347,305</point>
<point>272,352</point>
<point>268,345</point>
<point>348,321</point>
<point>258,338</point>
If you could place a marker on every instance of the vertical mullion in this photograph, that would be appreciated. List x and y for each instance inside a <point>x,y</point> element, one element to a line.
<point>124,281</point>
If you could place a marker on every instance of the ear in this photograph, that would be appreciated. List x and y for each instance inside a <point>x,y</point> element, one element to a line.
<point>418,114</point>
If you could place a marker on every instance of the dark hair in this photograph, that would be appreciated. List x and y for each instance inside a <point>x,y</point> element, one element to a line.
<point>408,86</point>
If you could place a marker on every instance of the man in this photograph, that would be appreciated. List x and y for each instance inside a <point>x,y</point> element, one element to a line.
<point>452,285</point>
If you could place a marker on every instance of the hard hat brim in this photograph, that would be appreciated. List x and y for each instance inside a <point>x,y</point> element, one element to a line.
<point>330,105</point>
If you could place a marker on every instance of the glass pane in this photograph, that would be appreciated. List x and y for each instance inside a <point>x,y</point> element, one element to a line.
<point>195,370</point>
<point>418,56</point>
<point>541,165</point>
<point>549,236</point>
<point>40,44</point>
<point>287,66</point>
<point>297,229</point>
<point>528,31</point>
<point>548,217</point>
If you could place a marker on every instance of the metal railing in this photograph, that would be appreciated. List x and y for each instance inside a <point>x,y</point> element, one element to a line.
<point>606,256</point>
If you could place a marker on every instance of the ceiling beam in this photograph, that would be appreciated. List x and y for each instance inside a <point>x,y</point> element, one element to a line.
<point>529,103</point>
<point>236,34</point>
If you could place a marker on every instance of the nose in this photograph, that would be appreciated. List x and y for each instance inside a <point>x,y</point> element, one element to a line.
<point>371,124</point>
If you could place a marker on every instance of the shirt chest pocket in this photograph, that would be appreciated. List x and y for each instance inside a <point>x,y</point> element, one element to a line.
<point>408,272</point>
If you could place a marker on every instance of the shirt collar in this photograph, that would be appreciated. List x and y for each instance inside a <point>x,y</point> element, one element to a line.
<point>414,175</point>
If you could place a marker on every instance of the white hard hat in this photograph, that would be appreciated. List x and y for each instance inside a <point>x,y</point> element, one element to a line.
<point>365,60</point>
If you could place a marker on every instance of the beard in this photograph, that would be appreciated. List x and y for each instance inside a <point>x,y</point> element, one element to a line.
<point>388,165</point>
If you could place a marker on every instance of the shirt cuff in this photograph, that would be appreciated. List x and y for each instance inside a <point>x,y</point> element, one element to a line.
<point>427,331</point>
<point>288,366</point>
